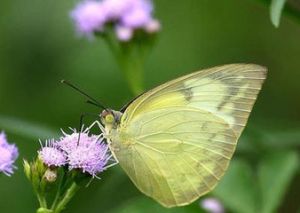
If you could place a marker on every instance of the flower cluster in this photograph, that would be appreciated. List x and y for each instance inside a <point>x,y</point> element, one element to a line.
<point>82,151</point>
<point>126,17</point>
<point>8,155</point>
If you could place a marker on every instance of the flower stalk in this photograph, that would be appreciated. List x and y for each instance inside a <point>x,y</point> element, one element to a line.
<point>127,27</point>
<point>130,57</point>
<point>66,199</point>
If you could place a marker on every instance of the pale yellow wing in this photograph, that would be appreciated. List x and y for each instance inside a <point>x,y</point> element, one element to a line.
<point>228,91</point>
<point>175,141</point>
<point>175,155</point>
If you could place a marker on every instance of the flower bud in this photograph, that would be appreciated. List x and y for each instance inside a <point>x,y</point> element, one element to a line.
<point>27,169</point>
<point>152,26</point>
<point>50,175</point>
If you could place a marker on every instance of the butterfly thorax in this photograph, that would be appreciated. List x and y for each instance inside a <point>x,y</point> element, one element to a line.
<point>113,131</point>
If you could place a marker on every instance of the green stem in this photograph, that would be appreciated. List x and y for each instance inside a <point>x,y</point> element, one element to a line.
<point>58,192</point>
<point>132,63</point>
<point>42,201</point>
<point>67,197</point>
<point>112,44</point>
<point>43,210</point>
<point>130,60</point>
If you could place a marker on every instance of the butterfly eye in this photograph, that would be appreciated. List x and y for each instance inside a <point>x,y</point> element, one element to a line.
<point>109,118</point>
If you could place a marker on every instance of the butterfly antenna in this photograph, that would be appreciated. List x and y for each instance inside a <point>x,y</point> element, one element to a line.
<point>93,103</point>
<point>91,99</point>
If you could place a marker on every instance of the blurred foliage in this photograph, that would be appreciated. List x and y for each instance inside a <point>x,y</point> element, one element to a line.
<point>275,172</point>
<point>247,190</point>
<point>38,48</point>
<point>276,8</point>
<point>290,8</point>
<point>236,189</point>
<point>147,205</point>
<point>26,129</point>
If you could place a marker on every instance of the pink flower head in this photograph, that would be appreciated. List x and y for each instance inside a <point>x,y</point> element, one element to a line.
<point>87,153</point>
<point>3,140</point>
<point>138,15</point>
<point>212,205</point>
<point>69,142</point>
<point>89,17</point>
<point>51,155</point>
<point>8,155</point>
<point>116,8</point>
<point>125,15</point>
<point>91,159</point>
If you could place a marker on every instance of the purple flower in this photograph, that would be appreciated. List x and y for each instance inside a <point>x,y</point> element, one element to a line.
<point>91,159</point>
<point>8,155</point>
<point>138,15</point>
<point>125,15</point>
<point>3,140</point>
<point>116,8</point>
<point>212,205</point>
<point>89,17</point>
<point>69,142</point>
<point>51,155</point>
<point>88,154</point>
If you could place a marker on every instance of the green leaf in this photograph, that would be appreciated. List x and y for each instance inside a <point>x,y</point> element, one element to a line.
<point>25,128</point>
<point>276,8</point>
<point>275,173</point>
<point>237,189</point>
<point>148,205</point>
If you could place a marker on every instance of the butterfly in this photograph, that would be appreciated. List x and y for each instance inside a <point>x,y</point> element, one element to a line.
<point>175,141</point>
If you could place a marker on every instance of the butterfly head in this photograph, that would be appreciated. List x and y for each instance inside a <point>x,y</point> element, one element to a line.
<point>110,118</point>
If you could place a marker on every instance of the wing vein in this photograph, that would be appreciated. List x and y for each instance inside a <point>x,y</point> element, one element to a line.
<point>161,170</point>
<point>154,177</point>
<point>159,133</point>
<point>196,171</point>
<point>204,167</point>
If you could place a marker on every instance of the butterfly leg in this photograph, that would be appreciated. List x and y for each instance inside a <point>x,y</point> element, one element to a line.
<point>97,122</point>
<point>113,160</point>
<point>81,125</point>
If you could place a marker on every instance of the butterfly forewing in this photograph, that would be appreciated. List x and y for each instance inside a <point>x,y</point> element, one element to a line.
<point>228,91</point>
<point>175,141</point>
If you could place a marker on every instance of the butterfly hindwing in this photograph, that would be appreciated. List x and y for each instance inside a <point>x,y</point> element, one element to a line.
<point>180,159</point>
<point>175,141</point>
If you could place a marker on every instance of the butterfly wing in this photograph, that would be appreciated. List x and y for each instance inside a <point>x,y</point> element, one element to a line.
<point>175,141</point>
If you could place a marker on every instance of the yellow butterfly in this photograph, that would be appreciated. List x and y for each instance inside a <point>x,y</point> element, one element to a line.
<point>176,140</point>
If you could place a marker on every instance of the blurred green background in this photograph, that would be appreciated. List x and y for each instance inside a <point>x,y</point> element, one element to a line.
<point>39,47</point>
